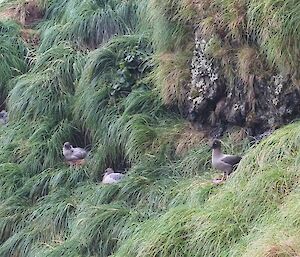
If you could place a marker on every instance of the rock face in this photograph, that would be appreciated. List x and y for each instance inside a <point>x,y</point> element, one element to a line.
<point>260,104</point>
<point>207,86</point>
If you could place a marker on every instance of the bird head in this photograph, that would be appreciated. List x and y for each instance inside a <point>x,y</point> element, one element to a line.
<point>216,144</point>
<point>3,114</point>
<point>67,145</point>
<point>109,171</point>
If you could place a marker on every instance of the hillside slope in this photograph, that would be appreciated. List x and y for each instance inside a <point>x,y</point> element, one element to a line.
<point>126,80</point>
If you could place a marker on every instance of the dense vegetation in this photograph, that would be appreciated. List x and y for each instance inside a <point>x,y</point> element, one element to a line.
<point>109,74</point>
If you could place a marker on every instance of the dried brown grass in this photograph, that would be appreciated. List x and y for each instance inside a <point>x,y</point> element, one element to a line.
<point>189,139</point>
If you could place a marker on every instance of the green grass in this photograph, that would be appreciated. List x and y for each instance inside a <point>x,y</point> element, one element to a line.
<point>109,75</point>
<point>48,87</point>
<point>13,56</point>
<point>278,37</point>
<point>88,24</point>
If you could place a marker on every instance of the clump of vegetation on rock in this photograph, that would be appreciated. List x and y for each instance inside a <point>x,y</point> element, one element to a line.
<point>115,76</point>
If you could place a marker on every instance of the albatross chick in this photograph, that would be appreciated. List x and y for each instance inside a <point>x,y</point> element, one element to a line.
<point>223,162</point>
<point>75,156</point>
<point>111,177</point>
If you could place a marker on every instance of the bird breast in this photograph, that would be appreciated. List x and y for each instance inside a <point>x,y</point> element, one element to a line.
<point>67,152</point>
<point>218,164</point>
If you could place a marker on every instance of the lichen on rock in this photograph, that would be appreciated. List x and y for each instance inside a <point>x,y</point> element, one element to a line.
<point>206,84</point>
<point>261,103</point>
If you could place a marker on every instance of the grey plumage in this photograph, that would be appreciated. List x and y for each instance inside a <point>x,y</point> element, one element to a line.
<point>3,117</point>
<point>73,153</point>
<point>111,177</point>
<point>223,162</point>
<point>116,176</point>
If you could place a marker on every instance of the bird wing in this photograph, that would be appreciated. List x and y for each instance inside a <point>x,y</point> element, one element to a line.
<point>231,159</point>
<point>116,176</point>
<point>79,153</point>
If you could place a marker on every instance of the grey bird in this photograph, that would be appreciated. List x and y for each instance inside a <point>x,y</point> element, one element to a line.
<point>223,162</point>
<point>110,176</point>
<point>3,117</point>
<point>74,155</point>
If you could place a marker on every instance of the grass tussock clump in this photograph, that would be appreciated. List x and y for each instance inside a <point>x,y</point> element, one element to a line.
<point>229,214</point>
<point>275,26</point>
<point>88,24</point>
<point>167,24</point>
<point>105,78</point>
<point>55,71</point>
<point>13,56</point>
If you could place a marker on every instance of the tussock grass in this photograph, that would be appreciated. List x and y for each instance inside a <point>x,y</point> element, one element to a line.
<point>124,127</point>
<point>60,248</point>
<point>165,236</point>
<point>172,19</point>
<point>171,76</point>
<point>54,212</point>
<point>88,23</point>
<point>171,35</point>
<point>103,73</point>
<point>275,26</point>
<point>55,72</point>
<point>194,161</point>
<point>12,178</point>
<point>98,227</point>
<point>41,149</point>
<point>13,56</point>
<point>228,214</point>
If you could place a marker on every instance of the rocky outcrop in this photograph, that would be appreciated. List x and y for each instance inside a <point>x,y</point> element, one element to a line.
<point>207,85</point>
<point>259,104</point>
